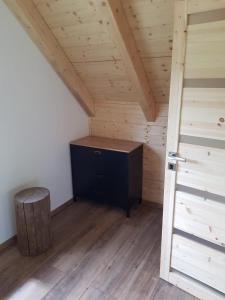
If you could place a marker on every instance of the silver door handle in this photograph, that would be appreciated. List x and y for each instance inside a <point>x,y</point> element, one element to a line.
<point>173,156</point>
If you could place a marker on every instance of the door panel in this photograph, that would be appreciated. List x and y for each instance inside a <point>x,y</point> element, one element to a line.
<point>205,51</point>
<point>197,6</point>
<point>201,217</point>
<point>204,168</point>
<point>199,261</point>
<point>194,195</point>
<point>203,112</point>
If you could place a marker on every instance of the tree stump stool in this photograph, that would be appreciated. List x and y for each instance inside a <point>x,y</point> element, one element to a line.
<point>33,221</point>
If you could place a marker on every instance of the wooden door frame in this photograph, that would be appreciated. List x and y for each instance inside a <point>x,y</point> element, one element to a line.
<point>176,90</point>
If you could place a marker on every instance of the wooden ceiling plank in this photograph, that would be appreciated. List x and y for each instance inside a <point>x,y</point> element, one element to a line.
<point>27,13</point>
<point>118,26</point>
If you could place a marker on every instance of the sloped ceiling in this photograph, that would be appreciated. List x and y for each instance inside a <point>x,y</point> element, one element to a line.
<point>81,30</point>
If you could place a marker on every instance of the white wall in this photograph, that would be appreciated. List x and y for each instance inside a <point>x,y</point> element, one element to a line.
<point>38,118</point>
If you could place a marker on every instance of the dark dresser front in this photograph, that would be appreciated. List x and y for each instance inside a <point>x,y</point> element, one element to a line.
<point>107,171</point>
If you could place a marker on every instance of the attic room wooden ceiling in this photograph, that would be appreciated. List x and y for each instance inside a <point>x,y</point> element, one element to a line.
<point>83,31</point>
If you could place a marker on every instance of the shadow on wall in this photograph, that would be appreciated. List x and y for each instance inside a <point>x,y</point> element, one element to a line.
<point>153,174</point>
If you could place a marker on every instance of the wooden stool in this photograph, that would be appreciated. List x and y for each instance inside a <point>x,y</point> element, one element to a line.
<point>33,221</point>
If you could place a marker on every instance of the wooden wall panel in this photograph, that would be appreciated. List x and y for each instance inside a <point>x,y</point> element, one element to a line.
<point>81,30</point>
<point>68,12</point>
<point>125,120</point>
<point>93,52</point>
<point>203,113</point>
<point>152,24</point>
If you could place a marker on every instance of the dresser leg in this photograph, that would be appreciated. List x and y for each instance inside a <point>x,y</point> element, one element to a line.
<point>128,212</point>
<point>76,198</point>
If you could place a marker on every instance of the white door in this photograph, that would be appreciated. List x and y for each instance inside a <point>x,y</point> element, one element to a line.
<point>193,240</point>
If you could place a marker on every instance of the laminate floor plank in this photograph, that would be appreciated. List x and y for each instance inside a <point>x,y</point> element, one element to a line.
<point>97,254</point>
<point>38,285</point>
<point>118,275</point>
<point>21,268</point>
<point>103,254</point>
<point>94,261</point>
<point>95,294</point>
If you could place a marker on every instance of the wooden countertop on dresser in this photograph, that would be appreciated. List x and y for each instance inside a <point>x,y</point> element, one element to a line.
<point>107,144</point>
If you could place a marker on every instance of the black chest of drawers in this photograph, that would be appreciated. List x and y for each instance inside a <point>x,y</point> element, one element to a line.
<point>107,171</point>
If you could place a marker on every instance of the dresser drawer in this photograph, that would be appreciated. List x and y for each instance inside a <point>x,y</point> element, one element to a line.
<point>100,160</point>
<point>88,158</point>
<point>99,172</point>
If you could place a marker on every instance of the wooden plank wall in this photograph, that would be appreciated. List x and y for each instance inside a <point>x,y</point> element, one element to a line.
<point>81,30</point>
<point>121,116</point>
<point>125,120</point>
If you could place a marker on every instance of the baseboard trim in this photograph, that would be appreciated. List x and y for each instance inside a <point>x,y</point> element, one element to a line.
<point>12,241</point>
<point>152,204</point>
<point>7,244</point>
<point>60,208</point>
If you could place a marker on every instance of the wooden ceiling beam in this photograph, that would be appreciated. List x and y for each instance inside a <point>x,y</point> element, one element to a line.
<point>118,27</point>
<point>27,13</point>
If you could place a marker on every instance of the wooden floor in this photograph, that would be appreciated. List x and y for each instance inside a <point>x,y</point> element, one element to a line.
<point>98,254</point>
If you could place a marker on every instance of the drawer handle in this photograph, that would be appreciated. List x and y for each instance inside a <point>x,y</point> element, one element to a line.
<point>97,152</point>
